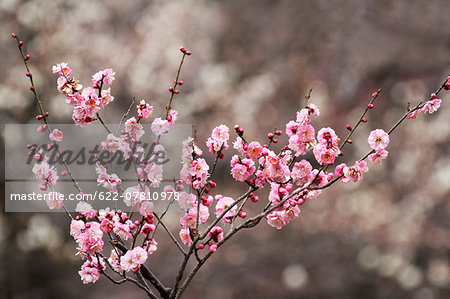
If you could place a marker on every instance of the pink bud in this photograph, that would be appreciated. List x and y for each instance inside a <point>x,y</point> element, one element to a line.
<point>180,82</point>
<point>137,222</point>
<point>188,52</point>
<point>28,74</point>
<point>13,35</point>
<point>27,57</point>
<point>32,88</point>
<point>170,88</point>
<point>364,120</point>
<point>182,49</point>
<point>212,248</point>
<point>64,173</point>
<point>350,141</point>
<point>348,127</point>
<point>20,43</point>
<point>242,214</point>
<point>201,246</point>
<point>433,95</point>
<point>176,91</point>
<point>370,106</point>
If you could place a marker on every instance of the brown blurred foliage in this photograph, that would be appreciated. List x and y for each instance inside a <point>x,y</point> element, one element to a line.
<point>253,61</point>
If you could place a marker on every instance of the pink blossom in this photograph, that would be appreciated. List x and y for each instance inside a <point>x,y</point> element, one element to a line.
<point>355,172</point>
<point>56,135</point>
<point>106,225</point>
<point>277,219</point>
<point>160,126</point>
<point>42,128</point>
<point>239,145</point>
<point>89,275</point>
<point>43,171</point>
<point>187,201</point>
<point>134,129</point>
<point>55,200</point>
<point>185,237</point>
<point>106,75</point>
<point>122,230</point>
<point>328,137</point>
<point>301,172</point>
<point>146,208</point>
<point>339,170</point>
<point>199,172</point>
<point>216,234</point>
<point>303,117</point>
<point>62,69</point>
<point>243,169</point>
<point>112,143</point>
<point>127,262</point>
<point>144,110</point>
<point>292,128</point>
<point>218,139</point>
<point>378,139</point>
<point>147,229</point>
<point>76,228</point>
<point>90,240</point>
<point>378,156</point>
<point>106,97</point>
<point>313,109</point>
<point>114,261</point>
<point>413,114</point>
<point>224,203</point>
<point>254,150</point>
<point>172,117</point>
<point>212,248</point>
<point>139,255</point>
<point>432,106</point>
<point>86,209</point>
<point>111,182</point>
<point>325,155</point>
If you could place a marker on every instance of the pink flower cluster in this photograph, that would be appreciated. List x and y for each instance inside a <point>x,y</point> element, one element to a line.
<point>326,149</point>
<point>378,141</point>
<point>430,106</point>
<point>301,133</point>
<point>218,140</point>
<point>86,102</point>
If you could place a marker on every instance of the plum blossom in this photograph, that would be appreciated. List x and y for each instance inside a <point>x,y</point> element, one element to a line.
<point>54,200</point>
<point>216,234</point>
<point>378,139</point>
<point>242,169</point>
<point>160,126</point>
<point>144,110</point>
<point>224,203</point>
<point>432,106</point>
<point>134,129</point>
<point>378,156</point>
<point>62,69</point>
<point>56,135</point>
<point>112,143</point>
<point>301,172</point>
<point>43,171</point>
<point>355,172</point>
<point>86,209</point>
<point>107,76</point>
<point>185,237</point>
<point>110,182</point>
<point>218,140</point>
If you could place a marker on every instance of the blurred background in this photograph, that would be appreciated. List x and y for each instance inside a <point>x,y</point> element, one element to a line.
<point>387,236</point>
